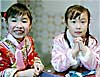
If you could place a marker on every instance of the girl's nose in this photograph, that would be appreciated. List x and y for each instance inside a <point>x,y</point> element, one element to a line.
<point>78,26</point>
<point>19,25</point>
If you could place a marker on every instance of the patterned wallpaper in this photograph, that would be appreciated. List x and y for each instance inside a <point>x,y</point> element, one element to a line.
<point>45,26</point>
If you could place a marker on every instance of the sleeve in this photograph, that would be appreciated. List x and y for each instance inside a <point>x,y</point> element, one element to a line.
<point>4,58</point>
<point>9,72</point>
<point>32,54</point>
<point>90,59</point>
<point>5,70</point>
<point>37,60</point>
<point>61,56</point>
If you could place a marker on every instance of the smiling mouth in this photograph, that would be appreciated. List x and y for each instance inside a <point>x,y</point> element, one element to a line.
<point>19,31</point>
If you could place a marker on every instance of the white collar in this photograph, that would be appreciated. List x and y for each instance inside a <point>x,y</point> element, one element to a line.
<point>13,40</point>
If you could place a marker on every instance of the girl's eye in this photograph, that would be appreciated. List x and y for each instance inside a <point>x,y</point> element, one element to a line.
<point>73,21</point>
<point>83,21</point>
<point>13,20</point>
<point>24,21</point>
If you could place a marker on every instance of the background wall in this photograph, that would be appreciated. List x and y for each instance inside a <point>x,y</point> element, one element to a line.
<point>4,5</point>
<point>48,17</point>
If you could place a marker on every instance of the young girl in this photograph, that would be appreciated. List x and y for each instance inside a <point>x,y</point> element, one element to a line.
<point>75,52</point>
<point>17,54</point>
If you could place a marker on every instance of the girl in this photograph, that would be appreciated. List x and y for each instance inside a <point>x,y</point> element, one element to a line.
<point>75,52</point>
<point>17,53</point>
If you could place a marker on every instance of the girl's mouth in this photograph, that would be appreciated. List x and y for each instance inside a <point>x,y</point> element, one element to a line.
<point>19,31</point>
<point>78,32</point>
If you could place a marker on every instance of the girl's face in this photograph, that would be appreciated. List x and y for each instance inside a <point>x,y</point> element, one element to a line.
<point>19,26</point>
<point>78,27</point>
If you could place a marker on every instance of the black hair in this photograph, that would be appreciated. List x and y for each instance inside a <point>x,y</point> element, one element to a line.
<point>18,9</point>
<point>72,13</point>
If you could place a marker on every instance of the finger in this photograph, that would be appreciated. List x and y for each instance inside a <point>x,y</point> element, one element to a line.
<point>75,40</point>
<point>35,66</point>
<point>38,67</point>
<point>80,39</point>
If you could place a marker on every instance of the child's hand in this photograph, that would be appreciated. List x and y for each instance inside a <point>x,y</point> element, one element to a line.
<point>26,73</point>
<point>75,49</point>
<point>82,47</point>
<point>38,68</point>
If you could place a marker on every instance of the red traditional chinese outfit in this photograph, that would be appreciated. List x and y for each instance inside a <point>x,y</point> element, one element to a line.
<point>16,56</point>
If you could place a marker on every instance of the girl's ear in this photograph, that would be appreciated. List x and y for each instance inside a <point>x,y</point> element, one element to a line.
<point>66,23</point>
<point>30,27</point>
<point>67,26</point>
<point>7,27</point>
<point>6,22</point>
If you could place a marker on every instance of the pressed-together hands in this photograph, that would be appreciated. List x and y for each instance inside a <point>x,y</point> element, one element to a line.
<point>78,47</point>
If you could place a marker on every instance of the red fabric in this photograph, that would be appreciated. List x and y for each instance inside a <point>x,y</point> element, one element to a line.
<point>6,56</point>
<point>5,60</point>
<point>91,76</point>
<point>32,54</point>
